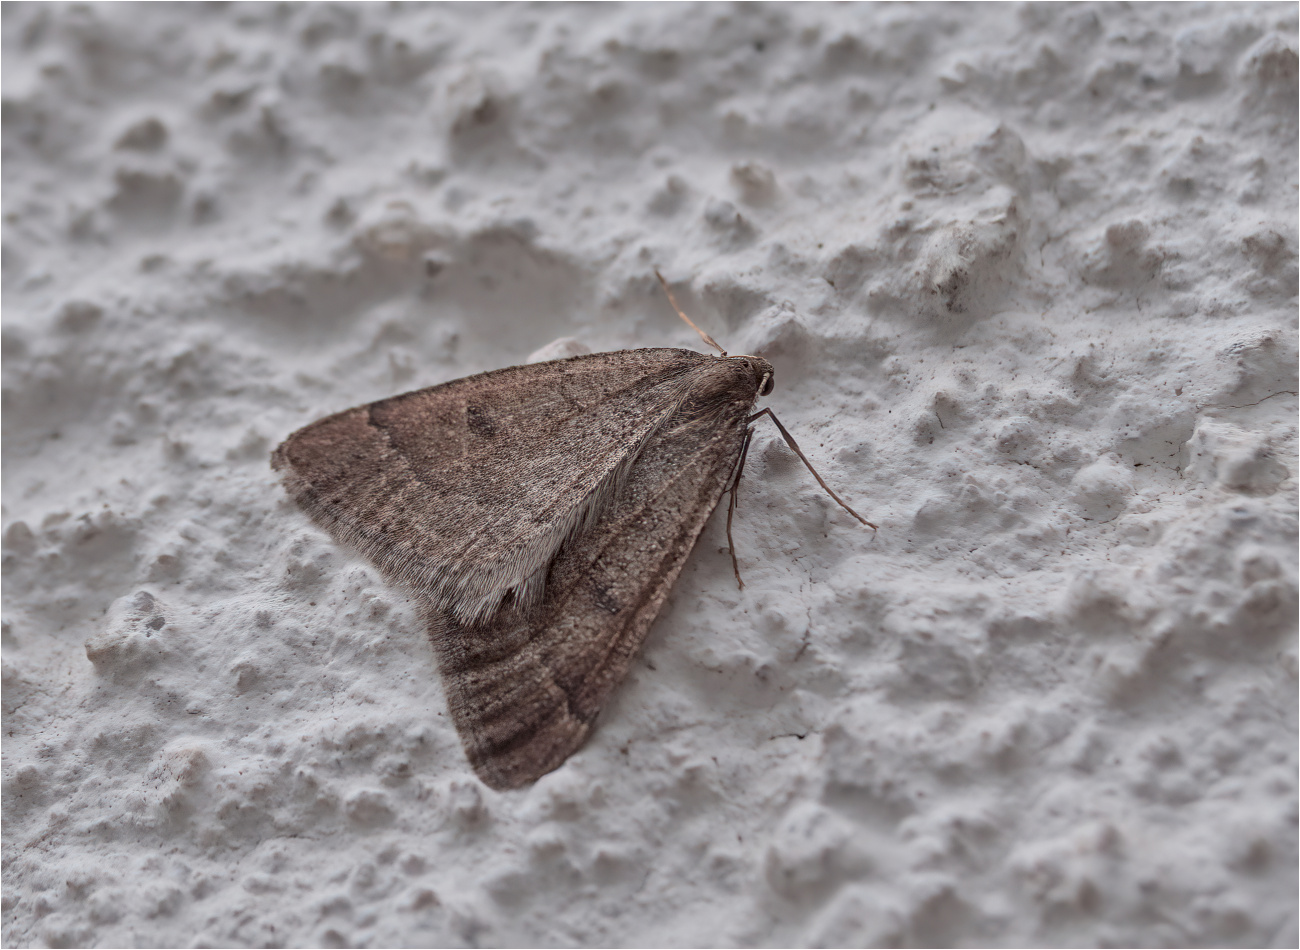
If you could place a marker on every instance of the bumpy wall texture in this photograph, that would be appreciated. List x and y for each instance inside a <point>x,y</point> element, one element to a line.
<point>1028,278</point>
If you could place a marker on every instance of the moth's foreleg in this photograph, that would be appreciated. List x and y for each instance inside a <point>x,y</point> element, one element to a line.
<point>789,440</point>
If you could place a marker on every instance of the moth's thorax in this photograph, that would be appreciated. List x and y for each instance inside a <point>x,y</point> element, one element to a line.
<point>723,389</point>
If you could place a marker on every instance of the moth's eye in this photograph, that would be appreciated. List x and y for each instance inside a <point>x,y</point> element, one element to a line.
<point>768,385</point>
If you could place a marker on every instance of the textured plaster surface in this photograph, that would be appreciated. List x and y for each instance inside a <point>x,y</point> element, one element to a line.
<point>1028,278</point>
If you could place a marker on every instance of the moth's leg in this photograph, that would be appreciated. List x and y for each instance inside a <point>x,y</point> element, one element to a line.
<point>789,440</point>
<point>731,505</point>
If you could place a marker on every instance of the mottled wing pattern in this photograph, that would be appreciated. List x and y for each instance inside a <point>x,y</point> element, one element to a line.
<point>431,485</point>
<point>524,690</point>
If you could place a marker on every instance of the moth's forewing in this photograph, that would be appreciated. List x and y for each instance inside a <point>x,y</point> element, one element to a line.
<point>465,491</point>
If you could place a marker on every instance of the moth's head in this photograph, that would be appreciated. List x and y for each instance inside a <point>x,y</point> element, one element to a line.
<point>759,371</point>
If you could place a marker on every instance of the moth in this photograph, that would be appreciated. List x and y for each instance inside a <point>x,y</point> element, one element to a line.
<point>541,514</point>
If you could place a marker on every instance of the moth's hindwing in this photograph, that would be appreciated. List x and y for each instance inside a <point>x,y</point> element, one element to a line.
<point>524,690</point>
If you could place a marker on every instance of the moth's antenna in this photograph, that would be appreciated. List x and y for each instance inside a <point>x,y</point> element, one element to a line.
<point>673,300</point>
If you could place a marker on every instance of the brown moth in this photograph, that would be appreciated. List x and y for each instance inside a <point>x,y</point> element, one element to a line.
<point>541,513</point>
